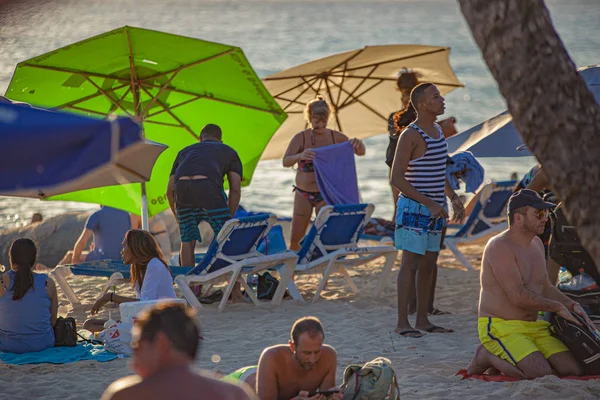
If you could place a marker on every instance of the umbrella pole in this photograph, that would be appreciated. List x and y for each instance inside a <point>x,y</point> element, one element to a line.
<point>144,207</point>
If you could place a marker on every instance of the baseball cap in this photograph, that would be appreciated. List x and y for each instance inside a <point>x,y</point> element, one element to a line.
<point>527,197</point>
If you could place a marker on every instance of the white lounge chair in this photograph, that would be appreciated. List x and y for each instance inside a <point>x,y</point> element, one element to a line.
<point>331,245</point>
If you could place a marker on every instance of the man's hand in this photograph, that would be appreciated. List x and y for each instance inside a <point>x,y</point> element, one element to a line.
<point>338,396</point>
<point>564,312</point>
<point>458,209</point>
<point>99,303</point>
<point>436,210</point>
<point>577,309</point>
<point>303,395</point>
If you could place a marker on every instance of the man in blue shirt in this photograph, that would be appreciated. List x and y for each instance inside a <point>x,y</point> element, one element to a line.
<point>108,227</point>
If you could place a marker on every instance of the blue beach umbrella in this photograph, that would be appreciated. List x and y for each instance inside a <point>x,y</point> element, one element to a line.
<point>45,153</point>
<point>498,137</point>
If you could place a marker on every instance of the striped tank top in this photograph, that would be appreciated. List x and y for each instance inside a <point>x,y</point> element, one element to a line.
<point>427,174</point>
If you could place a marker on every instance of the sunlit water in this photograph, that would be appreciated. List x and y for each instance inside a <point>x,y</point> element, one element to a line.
<point>279,34</point>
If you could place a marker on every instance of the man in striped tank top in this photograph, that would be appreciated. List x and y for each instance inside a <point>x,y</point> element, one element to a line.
<point>419,173</point>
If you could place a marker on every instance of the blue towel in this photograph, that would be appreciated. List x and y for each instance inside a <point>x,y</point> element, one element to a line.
<point>335,170</point>
<point>60,355</point>
<point>473,177</point>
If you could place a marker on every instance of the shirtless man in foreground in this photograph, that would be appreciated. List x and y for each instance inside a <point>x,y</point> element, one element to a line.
<point>165,343</point>
<point>514,288</point>
<point>303,366</point>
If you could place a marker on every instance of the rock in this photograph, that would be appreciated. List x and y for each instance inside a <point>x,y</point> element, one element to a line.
<point>54,237</point>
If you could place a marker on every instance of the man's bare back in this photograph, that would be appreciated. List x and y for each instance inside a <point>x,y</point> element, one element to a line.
<point>494,300</point>
<point>281,368</point>
<point>176,383</point>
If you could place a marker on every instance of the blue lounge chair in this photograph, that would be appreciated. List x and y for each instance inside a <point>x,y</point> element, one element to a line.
<point>233,250</point>
<point>233,255</point>
<point>488,216</point>
<point>331,245</point>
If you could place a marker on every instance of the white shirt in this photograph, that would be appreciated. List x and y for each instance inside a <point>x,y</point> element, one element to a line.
<point>158,282</point>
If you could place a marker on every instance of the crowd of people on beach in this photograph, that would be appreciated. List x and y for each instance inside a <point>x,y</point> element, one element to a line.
<point>518,279</point>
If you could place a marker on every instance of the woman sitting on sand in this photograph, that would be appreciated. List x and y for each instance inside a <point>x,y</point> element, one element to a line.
<point>308,196</point>
<point>151,276</point>
<point>28,303</point>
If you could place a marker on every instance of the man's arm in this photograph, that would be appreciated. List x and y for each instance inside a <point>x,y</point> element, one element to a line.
<point>329,380</point>
<point>504,266</point>
<point>457,205</point>
<point>539,181</point>
<point>235,191</point>
<point>171,194</point>
<point>266,376</point>
<point>80,244</point>
<point>404,150</point>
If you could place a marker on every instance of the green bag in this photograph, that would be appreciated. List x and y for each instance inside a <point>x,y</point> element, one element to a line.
<point>375,380</point>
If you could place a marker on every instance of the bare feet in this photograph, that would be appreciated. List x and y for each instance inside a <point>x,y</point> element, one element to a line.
<point>484,360</point>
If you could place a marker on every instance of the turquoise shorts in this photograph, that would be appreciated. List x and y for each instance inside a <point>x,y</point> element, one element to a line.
<point>416,230</point>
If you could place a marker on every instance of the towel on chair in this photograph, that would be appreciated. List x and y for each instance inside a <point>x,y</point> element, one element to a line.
<point>60,355</point>
<point>473,175</point>
<point>335,170</point>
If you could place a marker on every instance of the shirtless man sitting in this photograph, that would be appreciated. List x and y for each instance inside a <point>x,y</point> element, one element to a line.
<point>514,288</point>
<point>302,367</point>
<point>165,343</point>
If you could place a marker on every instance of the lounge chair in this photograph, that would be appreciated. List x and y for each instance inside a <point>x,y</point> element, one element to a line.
<point>233,256</point>
<point>331,241</point>
<point>233,250</point>
<point>488,216</point>
<point>116,272</point>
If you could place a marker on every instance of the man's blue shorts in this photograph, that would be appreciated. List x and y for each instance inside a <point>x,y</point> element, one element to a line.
<point>416,230</point>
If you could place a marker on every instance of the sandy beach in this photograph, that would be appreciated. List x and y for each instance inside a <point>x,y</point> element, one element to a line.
<point>360,327</point>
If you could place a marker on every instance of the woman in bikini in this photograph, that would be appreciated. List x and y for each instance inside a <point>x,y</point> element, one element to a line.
<point>307,196</point>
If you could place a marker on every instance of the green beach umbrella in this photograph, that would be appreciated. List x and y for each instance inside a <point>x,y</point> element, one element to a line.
<point>174,84</point>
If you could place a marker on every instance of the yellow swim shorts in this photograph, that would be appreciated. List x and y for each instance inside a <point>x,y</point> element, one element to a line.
<point>513,340</point>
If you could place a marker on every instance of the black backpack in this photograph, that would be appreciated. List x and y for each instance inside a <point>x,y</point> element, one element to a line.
<point>65,332</point>
<point>565,247</point>
<point>583,341</point>
<point>267,285</point>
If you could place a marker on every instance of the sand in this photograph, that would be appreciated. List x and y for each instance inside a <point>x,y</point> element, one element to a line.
<point>359,326</point>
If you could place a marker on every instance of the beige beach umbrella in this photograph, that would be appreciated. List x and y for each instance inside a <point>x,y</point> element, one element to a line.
<point>359,84</point>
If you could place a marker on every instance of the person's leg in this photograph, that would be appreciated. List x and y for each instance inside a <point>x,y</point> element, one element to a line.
<point>534,366</point>
<point>94,325</point>
<point>424,280</point>
<point>405,284</point>
<point>300,219</point>
<point>188,220</point>
<point>430,308</point>
<point>186,254</point>
<point>484,360</point>
<point>565,364</point>
<point>558,355</point>
<point>67,258</point>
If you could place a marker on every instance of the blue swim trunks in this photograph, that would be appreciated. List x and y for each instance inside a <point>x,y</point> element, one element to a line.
<point>416,230</point>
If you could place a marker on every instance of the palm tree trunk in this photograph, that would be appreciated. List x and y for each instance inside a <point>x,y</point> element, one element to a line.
<point>551,106</point>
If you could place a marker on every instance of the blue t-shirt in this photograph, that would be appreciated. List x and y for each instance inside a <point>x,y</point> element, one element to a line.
<point>109,226</point>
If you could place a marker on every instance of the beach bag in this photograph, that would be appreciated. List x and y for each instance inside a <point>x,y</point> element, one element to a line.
<point>117,338</point>
<point>65,332</point>
<point>583,341</point>
<point>266,287</point>
<point>273,243</point>
<point>375,380</point>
